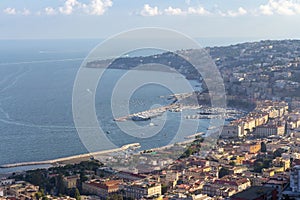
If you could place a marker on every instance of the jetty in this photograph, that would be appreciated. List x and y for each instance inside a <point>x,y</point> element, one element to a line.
<point>75,158</point>
<point>145,115</point>
<point>148,114</point>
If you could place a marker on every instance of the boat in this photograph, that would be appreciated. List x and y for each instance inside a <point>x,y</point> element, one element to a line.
<point>140,118</point>
<point>194,135</point>
<point>211,127</point>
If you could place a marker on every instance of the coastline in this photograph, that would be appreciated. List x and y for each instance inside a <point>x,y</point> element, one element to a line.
<point>69,159</point>
<point>85,157</point>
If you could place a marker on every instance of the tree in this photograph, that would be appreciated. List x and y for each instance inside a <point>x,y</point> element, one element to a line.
<point>263,147</point>
<point>115,197</point>
<point>285,197</point>
<point>223,172</point>
<point>187,153</point>
<point>164,189</point>
<point>60,185</point>
<point>278,152</point>
<point>258,167</point>
<point>83,178</point>
<point>38,195</point>
<point>77,194</point>
<point>266,163</point>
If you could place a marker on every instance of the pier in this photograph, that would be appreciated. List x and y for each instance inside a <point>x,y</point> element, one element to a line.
<point>173,107</point>
<point>75,158</point>
<point>144,115</point>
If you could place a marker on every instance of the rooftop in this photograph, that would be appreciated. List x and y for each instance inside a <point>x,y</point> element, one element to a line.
<point>253,192</point>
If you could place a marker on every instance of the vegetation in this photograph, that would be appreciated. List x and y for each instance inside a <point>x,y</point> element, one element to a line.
<point>223,172</point>
<point>278,152</point>
<point>262,164</point>
<point>115,197</point>
<point>263,147</point>
<point>77,194</point>
<point>164,188</point>
<point>232,163</point>
<point>55,184</point>
<point>193,148</point>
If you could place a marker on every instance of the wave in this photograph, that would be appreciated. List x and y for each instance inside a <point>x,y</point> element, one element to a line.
<point>15,80</point>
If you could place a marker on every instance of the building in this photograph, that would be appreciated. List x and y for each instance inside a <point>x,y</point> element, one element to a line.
<point>249,124</point>
<point>232,131</point>
<point>213,190</point>
<point>295,179</point>
<point>1,192</point>
<point>278,184</point>
<point>129,176</point>
<point>237,170</point>
<point>5,182</point>
<point>281,162</point>
<point>190,197</point>
<point>268,130</point>
<point>261,119</point>
<point>101,188</point>
<point>22,190</point>
<point>171,178</point>
<point>268,172</point>
<point>225,187</point>
<point>256,193</point>
<point>71,181</point>
<point>250,147</point>
<point>142,189</point>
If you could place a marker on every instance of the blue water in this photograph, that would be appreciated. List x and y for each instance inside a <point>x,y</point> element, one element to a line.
<point>35,99</point>
<point>36,83</point>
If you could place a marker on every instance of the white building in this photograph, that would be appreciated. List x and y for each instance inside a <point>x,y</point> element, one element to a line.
<point>1,192</point>
<point>232,131</point>
<point>5,182</point>
<point>141,189</point>
<point>268,130</point>
<point>295,179</point>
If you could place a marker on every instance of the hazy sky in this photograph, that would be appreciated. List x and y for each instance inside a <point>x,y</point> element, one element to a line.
<point>263,19</point>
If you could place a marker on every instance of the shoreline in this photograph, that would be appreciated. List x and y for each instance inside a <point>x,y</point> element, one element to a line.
<point>68,159</point>
<point>86,156</point>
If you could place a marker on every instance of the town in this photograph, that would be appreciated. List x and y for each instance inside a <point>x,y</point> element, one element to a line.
<point>257,156</point>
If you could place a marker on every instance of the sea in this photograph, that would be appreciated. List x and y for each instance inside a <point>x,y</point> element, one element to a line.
<point>36,85</point>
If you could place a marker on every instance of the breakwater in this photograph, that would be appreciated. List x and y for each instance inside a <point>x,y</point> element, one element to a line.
<point>74,158</point>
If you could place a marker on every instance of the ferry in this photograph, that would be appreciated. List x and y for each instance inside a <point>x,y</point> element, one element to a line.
<point>211,127</point>
<point>194,135</point>
<point>140,118</point>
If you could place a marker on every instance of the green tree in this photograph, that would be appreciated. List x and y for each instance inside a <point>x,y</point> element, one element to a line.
<point>77,194</point>
<point>263,147</point>
<point>187,153</point>
<point>83,178</point>
<point>266,163</point>
<point>278,152</point>
<point>60,185</point>
<point>258,166</point>
<point>164,189</point>
<point>115,197</point>
<point>38,195</point>
<point>223,172</point>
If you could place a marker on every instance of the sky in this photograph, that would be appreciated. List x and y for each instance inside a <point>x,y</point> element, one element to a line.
<point>53,19</point>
